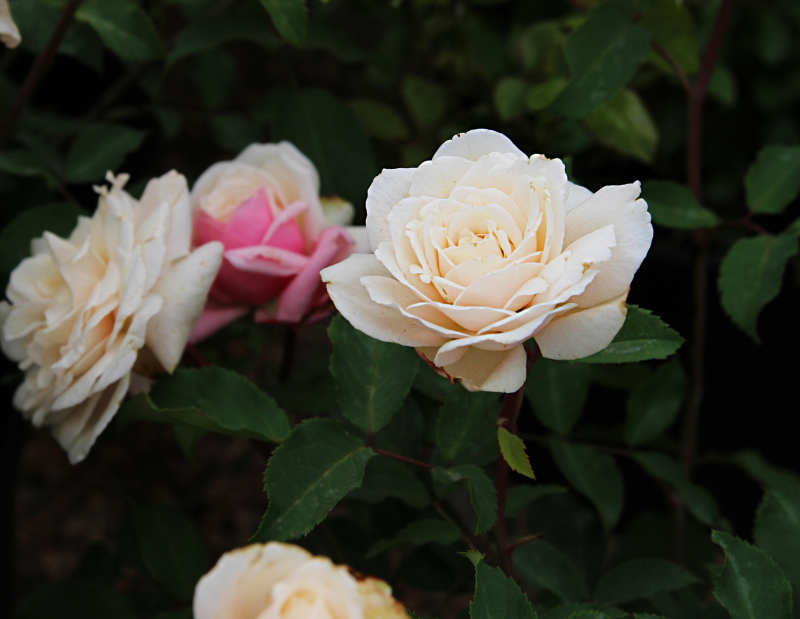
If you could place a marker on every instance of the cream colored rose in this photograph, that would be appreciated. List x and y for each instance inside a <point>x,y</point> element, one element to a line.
<point>482,248</point>
<point>123,287</point>
<point>283,581</point>
<point>9,33</point>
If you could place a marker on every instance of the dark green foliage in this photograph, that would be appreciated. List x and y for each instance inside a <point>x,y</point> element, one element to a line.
<point>464,418</point>
<point>777,529</point>
<point>497,596</point>
<point>543,565</point>
<point>557,391</point>
<point>654,406</point>
<point>481,492</point>
<point>76,600</point>
<point>673,205</point>
<point>641,578</point>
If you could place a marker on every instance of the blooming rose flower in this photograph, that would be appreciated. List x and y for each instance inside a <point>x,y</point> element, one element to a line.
<point>9,33</point>
<point>265,208</point>
<point>483,247</point>
<point>283,581</point>
<point>122,288</point>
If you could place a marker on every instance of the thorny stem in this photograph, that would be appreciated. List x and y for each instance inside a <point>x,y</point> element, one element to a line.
<point>39,68</point>
<point>394,456</point>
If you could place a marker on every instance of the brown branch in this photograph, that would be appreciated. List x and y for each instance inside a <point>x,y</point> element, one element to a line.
<point>676,68</point>
<point>39,68</point>
<point>394,456</point>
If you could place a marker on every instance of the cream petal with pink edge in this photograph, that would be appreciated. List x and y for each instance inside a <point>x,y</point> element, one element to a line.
<point>582,332</point>
<point>386,190</point>
<point>476,143</point>
<point>9,33</point>
<point>486,370</point>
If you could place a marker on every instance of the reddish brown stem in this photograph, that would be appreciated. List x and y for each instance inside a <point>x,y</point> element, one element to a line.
<point>394,456</point>
<point>196,357</point>
<point>676,68</point>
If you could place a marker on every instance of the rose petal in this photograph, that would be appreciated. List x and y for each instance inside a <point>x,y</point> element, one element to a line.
<point>360,238</point>
<point>497,288</point>
<point>439,177</point>
<point>576,195</point>
<point>9,33</point>
<point>474,144</point>
<point>213,319</point>
<point>484,370</point>
<point>388,188</point>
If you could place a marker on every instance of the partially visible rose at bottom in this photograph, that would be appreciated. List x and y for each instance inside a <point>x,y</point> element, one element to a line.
<point>283,581</point>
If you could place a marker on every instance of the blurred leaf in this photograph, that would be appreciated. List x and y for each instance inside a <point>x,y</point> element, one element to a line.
<point>698,500</point>
<point>673,205</point>
<point>336,41</point>
<point>643,336</point>
<point>171,548</point>
<point>540,48</point>
<point>25,163</point>
<point>543,565</point>
<point>670,24</point>
<point>774,38</point>
<point>773,181</point>
<point>385,478</point>
<point>497,596</point>
<point>640,579</point>
<point>327,132</point>
<point>623,124</point>
<point>653,407</point>
<point>171,121</point>
<point>509,98</point>
<point>214,74</point>
<point>557,392</point>
<point>99,149</point>
<point>519,497</point>
<point>75,600</point>
<point>755,466</point>
<point>541,95</point>
<point>464,418</point>
<point>513,449</point>
<point>15,240</point>
<point>604,53</point>
<point>426,101</point>
<point>290,18</point>
<point>568,611</point>
<point>380,120</point>
<point>722,86</point>
<point>125,28</point>
<point>594,475</point>
<point>481,492</point>
<point>750,585</point>
<point>418,533</point>
<point>314,468</point>
<point>751,275</point>
<point>233,131</point>
<point>777,529</point>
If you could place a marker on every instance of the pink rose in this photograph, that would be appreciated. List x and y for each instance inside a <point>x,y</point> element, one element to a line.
<point>264,207</point>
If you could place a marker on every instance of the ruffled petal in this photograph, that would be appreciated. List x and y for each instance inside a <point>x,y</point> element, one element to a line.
<point>388,188</point>
<point>472,145</point>
<point>485,370</point>
<point>213,319</point>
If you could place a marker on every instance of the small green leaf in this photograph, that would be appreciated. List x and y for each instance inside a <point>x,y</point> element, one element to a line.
<point>426,101</point>
<point>373,378</point>
<point>603,53</point>
<point>594,475</point>
<point>99,149</point>
<point>389,478</point>
<point>773,181</point>
<point>25,163</point>
<point>750,585</point>
<point>751,275</point>
<point>653,407</point>
<point>290,18</point>
<point>513,449</point>
<point>640,579</point>
<point>171,548</point>
<point>498,597</point>
<point>777,529</point>
<point>519,497</point>
<point>464,418</point>
<point>665,469</point>
<point>723,86</point>
<point>315,467</point>
<point>125,28</point>
<point>75,600</point>
<point>417,533</point>
<point>672,205</point>
<point>380,120</point>
<point>481,490</point>
<point>509,98</point>
<point>671,25</point>
<point>623,124</point>
<point>540,96</point>
<point>753,463</point>
<point>557,392</point>
<point>568,611</point>
<point>543,565</point>
<point>643,336</point>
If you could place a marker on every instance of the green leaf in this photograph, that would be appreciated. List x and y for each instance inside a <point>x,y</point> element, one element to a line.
<point>753,463</point>
<point>233,131</point>
<point>569,610</point>
<point>557,392</point>
<point>623,124</point>
<point>603,53</point>
<point>25,163</point>
<point>481,490</point>
<point>464,418</point>
<point>315,467</point>
<point>124,27</point>
<point>209,33</point>
<point>594,475</point>
<point>389,478</point>
<point>513,449</point>
<point>226,398</point>
<point>541,95</point>
<point>373,378</point>
<point>751,585</point>
<point>15,240</point>
<point>290,18</point>
<point>171,548</point>
<point>519,497</point>
<point>672,205</point>
<point>777,529</point>
<point>773,181</point>
<point>417,533</point>
<point>543,565</point>
<point>509,98</point>
<point>671,25</point>
<point>640,579</point>
<point>723,86</point>
<point>426,101</point>
<point>497,596</point>
<point>751,275</point>
<point>653,407</point>
<point>214,76</point>
<point>75,600</point>
<point>99,149</point>
<point>380,120</point>
<point>644,336</point>
<point>667,470</point>
<point>327,132</point>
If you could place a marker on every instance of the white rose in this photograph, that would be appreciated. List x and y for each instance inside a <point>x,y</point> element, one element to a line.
<point>483,248</point>
<point>283,581</point>
<point>123,286</point>
<point>9,33</point>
